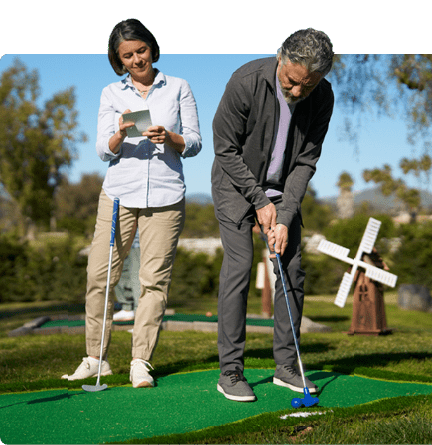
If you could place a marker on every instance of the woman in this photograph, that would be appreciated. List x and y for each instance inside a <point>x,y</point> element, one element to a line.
<point>146,174</point>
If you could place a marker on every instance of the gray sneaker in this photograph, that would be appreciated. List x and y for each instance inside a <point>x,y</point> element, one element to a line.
<point>234,386</point>
<point>289,376</point>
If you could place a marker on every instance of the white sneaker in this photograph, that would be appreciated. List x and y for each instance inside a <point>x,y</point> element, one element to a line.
<point>124,316</point>
<point>139,374</point>
<point>89,368</point>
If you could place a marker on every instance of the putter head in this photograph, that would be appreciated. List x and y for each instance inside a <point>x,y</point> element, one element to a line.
<point>296,403</point>
<point>95,388</point>
<point>307,401</point>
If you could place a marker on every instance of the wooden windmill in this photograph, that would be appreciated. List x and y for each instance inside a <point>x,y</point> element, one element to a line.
<point>368,306</point>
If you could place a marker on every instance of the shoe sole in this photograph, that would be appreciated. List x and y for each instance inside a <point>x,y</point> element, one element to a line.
<point>144,384</point>
<point>103,374</point>
<point>279,382</point>
<point>236,398</point>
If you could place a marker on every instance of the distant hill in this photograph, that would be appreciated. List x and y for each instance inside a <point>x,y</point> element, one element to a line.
<point>199,198</point>
<point>376,199</point>
<point>373,196</point>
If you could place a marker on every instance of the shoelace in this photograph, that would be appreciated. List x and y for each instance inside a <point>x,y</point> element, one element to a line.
<point>236,375</point>
<point>84,364</point>
<point>146,364</point>
<point>291,369</point>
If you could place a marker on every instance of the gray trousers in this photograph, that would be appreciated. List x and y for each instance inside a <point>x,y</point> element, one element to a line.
<point>234,282</point>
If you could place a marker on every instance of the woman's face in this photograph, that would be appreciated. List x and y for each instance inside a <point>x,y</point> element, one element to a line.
<point>136,57</point>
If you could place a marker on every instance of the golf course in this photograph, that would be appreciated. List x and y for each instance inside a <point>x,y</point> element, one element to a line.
<point>373,389</point>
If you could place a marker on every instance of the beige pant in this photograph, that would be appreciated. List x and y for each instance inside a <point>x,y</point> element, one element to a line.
<point>159,230</point>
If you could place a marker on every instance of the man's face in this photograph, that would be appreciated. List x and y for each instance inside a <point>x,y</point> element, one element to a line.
<point>296,81</point>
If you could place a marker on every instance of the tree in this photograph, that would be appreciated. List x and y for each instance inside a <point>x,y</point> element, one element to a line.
<point>413,73</point>
<point>389,186</point>
<point>418,167</point>
<point>385,84</point>
<point>316,215</point>
<point>345,200</point>
<point>36,143</point>
<point>399,84</point>
<point>200,221</point>
<point>76,204</point>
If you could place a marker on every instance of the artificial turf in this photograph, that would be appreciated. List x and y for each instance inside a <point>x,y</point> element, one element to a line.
<point>180,403</point>
<point>176,317</point>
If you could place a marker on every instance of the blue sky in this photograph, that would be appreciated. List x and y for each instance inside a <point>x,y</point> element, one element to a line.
<point>382,141</point>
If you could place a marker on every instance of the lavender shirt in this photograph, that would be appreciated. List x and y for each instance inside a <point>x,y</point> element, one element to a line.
<point>274,171</point>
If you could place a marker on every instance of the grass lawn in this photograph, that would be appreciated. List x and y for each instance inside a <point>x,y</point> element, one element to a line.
<point>37,362</point>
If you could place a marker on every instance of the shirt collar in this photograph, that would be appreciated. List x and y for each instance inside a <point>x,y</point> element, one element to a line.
<point>159,79</point>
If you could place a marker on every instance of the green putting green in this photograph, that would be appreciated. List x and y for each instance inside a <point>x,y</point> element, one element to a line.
<point>176,317</point>
<point>179,403</point>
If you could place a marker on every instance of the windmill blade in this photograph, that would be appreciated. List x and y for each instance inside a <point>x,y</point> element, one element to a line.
<point>344,289</point>
<point>377,274</point>
<point>334,250</point>
<point>370,235</point>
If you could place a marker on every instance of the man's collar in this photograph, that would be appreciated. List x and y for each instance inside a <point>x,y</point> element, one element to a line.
<point>269,72</point>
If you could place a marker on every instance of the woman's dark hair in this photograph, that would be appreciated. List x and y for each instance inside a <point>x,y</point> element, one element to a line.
<point>130,29</point>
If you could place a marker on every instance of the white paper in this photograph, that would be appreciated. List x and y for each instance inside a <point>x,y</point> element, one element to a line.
<point>142,121</point>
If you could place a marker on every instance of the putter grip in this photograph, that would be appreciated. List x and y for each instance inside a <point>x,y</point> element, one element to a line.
<point>114,220</point>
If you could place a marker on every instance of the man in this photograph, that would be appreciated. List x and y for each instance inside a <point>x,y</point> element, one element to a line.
<point>268,132</point>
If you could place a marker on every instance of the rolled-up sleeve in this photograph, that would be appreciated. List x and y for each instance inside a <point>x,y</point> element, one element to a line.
<point>105,128</point>
<point>189,122</point>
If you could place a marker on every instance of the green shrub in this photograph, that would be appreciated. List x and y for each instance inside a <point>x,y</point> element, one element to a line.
<point>323,274</point>
<point>51,270</point>
<point>12,257</point>
<point>412,263</point>
<point>349,232</point>
<point>195,275</point>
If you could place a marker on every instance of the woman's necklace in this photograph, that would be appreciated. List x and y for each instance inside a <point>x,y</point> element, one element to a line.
<point>145,90</point>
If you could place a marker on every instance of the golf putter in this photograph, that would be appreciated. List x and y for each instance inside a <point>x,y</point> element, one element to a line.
<point>308,400</point>
<point>98,386</point>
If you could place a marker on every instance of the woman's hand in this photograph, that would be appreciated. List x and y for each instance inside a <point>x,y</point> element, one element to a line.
<point>156,134</point>
<point>123,126</point>
<point>117,138</point>
<point>160,135</point>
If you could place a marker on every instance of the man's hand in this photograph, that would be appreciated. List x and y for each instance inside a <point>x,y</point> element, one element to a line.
<point>277,234</point>
<point>267,218</point>
<point>280,242</point>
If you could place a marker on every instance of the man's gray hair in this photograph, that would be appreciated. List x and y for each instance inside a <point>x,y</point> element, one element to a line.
<point>309,48</point>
